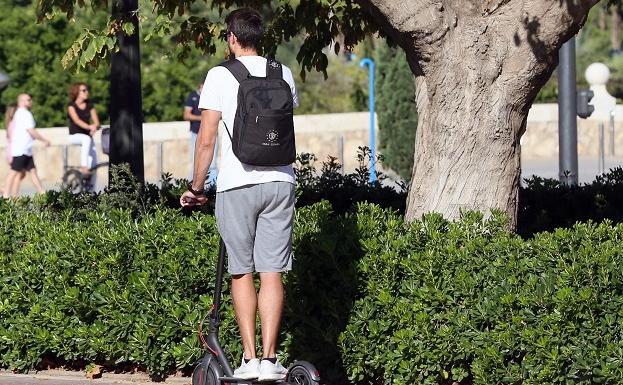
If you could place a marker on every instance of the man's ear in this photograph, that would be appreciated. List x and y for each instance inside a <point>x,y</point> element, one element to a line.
<point>234,38</point>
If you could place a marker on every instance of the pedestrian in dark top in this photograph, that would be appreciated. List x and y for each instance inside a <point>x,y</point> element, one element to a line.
<point>192,113</point>
<point>83,124</point>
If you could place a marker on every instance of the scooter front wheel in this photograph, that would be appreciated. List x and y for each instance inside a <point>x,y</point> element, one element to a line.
<point>300,375</point>
<point>72,180</point>
<point>207,372</point>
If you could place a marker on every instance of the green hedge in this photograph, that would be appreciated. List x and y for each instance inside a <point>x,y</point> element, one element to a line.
<point>545,204</point>
<point>106,289</point>
<point>469,302</point>
<point>370,300</point>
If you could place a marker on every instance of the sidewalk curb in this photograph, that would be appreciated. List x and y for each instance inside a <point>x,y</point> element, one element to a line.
<point>66,375</point>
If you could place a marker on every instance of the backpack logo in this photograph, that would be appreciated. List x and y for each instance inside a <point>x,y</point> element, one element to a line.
<point>272,138</point>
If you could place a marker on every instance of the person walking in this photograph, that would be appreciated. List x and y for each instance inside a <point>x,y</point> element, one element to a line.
<point>254,204</point>
<point>192,113</point>
<point>8,156</point>
<point>83,124</point>
<point>8,123</point>
<point>23,137</point>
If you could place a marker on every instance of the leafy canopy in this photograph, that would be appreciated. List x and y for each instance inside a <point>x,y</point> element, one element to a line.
<point>321,23</point>
<point>32,63</point>
<point>396,110</point>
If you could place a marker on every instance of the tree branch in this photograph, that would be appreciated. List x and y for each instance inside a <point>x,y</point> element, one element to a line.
<point>561,18</point>
<point>418,25</point>
<point>545,25</point>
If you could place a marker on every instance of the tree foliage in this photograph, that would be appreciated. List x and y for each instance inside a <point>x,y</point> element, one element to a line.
<point>33,62</point>
<point>333,94</point>
<point>29,55</point>
<point>170,70</point>
<point>594,44</point>
<point>328,21</point>
<point>397,112</point>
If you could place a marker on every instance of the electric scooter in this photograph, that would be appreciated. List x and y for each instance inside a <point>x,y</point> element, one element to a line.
<point>214,368</point>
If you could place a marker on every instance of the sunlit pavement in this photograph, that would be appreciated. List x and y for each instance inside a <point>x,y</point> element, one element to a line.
<point>59,377</point>
<point>587,168</point>
<point>545,168</point>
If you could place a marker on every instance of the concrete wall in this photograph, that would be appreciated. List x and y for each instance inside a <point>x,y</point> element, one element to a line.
<point>541,138</point>
<point>318,134</point>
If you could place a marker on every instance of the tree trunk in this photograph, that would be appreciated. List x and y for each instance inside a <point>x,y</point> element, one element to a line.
<point>601,22</point>
<point>467,152</point>
<point>478,66</point>
<point>615,31</point>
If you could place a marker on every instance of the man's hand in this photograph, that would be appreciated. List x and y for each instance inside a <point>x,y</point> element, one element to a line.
<point>189,199</point>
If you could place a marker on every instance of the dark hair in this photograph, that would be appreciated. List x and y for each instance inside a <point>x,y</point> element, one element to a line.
<point>74,89</point>
<point>8,114</point>
<point>247,25</point>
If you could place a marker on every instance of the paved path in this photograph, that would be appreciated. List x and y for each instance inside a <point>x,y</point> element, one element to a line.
<point>59,377</point>
<point>545,168</point>
<point>54,381</point>
<point>587,168</point>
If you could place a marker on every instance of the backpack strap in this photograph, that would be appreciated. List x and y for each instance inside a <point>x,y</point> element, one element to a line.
<point>240,72</point>
<point>236,68</point>
<point>273,69</point>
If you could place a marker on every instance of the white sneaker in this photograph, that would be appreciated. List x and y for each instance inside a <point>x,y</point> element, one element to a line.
<point>271,372</point>
<point>248,370</point>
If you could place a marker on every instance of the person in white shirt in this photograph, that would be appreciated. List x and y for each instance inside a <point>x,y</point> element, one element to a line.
<point>254,205</point>
<point>24,135</point>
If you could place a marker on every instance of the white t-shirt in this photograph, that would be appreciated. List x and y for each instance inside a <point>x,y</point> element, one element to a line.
<point>21,142</point>
<point>220,93</point>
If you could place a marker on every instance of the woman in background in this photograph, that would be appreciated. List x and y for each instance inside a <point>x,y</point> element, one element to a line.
<point>8,123</point>
<point>83,123</point>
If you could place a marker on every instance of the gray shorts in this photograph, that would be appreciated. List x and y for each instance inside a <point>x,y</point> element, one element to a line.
<point>255,223</point>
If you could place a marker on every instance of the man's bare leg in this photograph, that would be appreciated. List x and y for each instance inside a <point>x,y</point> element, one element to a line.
<point>245,305</point>
<point>17,179</point>
<point>8,184</point>
<point>271,306</point>
<point>35,181</point>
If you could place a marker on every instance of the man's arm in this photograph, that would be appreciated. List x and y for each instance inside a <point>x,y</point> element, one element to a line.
<point>36,135</point>
<point>204,150</point>
<point>188,115</point>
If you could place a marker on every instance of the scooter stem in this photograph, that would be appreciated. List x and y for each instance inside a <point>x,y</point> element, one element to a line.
<point>220,267</point>
<point>215,319</point>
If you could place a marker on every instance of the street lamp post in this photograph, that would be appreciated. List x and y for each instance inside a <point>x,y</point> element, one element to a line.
<point>567,116</point>
<point>370,63</point>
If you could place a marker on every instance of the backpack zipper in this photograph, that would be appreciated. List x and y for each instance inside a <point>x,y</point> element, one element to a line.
<point>289,94</point>
<point>257,118</point>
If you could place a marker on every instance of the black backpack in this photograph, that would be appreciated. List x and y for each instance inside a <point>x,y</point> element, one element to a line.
<point>263,132</point>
